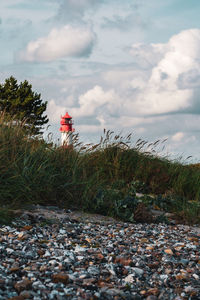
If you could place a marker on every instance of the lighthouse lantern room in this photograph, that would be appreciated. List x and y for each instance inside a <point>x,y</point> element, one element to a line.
<point>66,130</point>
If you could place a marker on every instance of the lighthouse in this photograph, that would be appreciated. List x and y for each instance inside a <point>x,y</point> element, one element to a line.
<point>66,130</point>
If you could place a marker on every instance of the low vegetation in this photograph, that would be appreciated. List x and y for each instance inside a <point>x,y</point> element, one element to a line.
<point>112,177</point>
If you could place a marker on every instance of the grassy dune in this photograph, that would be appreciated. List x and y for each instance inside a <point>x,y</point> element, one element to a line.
<point>103,178</point>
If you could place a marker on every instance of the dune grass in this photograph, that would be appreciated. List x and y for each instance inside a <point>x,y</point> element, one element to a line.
<point>103,178</point>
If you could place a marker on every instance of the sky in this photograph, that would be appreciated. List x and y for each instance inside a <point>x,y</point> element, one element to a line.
<point>131,66</point>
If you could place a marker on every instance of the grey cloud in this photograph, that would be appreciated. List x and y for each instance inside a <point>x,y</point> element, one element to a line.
<point>147,55</point>
<point>124,23</point>
<point>194,109</point>
<point>164,75</point>
<point>127,17</point>
<point>189,79</point>
<point>74,10</point>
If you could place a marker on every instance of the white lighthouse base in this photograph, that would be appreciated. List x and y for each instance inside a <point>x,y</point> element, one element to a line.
<point>66,138</point>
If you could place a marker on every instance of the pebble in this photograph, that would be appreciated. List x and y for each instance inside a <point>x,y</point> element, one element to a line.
<point>138,271</point>
<point>90,260</point>
<point>169,251</point>
<point>129,278</point>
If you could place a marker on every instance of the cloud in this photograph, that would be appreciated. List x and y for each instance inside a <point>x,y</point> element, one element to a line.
<point>74,10</point>
<point>183,140</point>
<point>94,101</point>
<point>124,23</point>
<point>177,137</point>
<point>87,128</point>
<point>148,55</point>
<point>163,93</point>
<point>63,42</point>
<point>190,79</point>
<point>54,111</point>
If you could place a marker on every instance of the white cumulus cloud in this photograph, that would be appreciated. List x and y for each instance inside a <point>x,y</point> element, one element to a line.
<point>95,102</point>
<point>177,137</point>
<point>62,42</point>
<point>163,93</point>
<point>55,111</point>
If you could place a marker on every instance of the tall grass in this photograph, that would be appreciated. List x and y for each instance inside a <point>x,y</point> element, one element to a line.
<point>102,178</point>
<point>31,171</point>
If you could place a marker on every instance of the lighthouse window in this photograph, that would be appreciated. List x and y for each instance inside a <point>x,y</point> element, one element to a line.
<point>68,121</point>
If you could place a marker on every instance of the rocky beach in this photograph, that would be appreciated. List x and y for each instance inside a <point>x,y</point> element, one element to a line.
<point>49,253</point>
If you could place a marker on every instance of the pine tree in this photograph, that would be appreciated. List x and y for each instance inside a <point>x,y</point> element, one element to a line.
<point>21,103</point>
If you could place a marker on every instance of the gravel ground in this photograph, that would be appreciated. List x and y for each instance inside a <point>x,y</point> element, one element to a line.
<point>65,258</point>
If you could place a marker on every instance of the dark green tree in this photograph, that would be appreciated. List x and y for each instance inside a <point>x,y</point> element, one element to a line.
<point>21,103</point>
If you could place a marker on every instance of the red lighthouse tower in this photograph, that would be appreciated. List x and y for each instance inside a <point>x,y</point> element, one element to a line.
<point>66,129</point>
